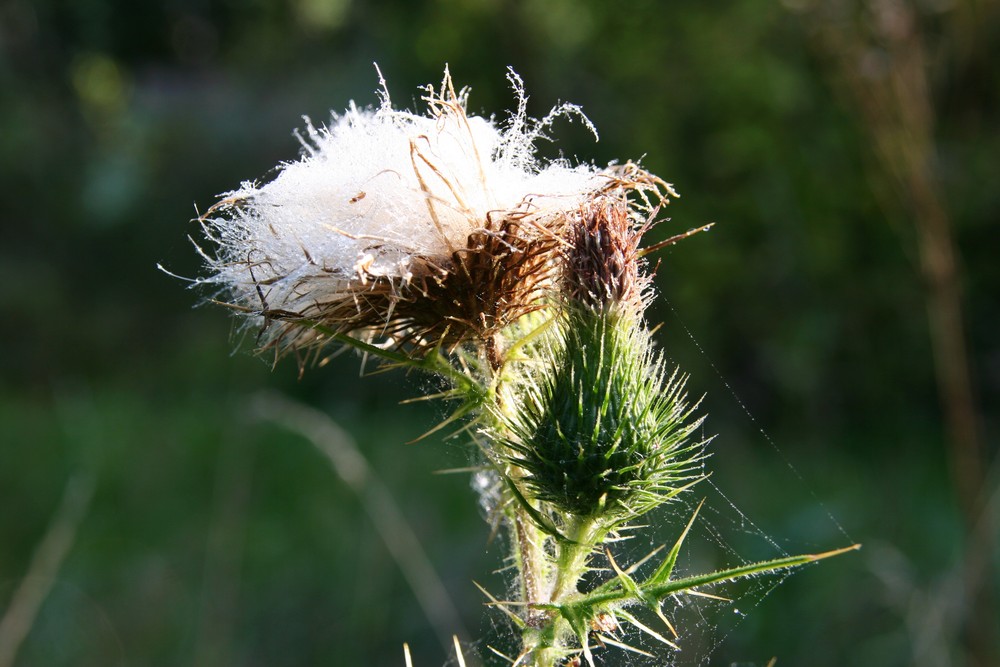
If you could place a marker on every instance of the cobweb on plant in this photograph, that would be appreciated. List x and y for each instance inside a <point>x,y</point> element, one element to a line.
<point>721,536</point>
<point>700,623</point>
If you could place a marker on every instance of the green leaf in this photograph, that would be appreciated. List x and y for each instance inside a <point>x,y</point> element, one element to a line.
<point>662,590</point>
<point>535,515</point>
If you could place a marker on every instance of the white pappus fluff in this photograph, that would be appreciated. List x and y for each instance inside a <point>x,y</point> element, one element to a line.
<point>378,189</point>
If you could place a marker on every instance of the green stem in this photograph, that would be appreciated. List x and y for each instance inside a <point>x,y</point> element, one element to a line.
<point>528,540</point>
<point>573,556</point>
<point>569,566</point>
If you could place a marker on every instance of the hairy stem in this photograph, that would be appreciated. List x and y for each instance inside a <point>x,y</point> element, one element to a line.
<point>573,557</point>
<point>529,545</point>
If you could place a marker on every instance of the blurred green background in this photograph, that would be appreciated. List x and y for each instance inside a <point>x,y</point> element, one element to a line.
<point>827,140</point>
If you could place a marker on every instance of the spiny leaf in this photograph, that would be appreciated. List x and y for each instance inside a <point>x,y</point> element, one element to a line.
<point>662,590</point>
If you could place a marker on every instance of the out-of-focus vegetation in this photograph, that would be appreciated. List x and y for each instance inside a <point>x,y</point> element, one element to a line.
<point>213,539</point>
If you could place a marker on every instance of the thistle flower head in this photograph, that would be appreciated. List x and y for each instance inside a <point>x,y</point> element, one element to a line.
<point>602,266</point>
<point>427,230</point>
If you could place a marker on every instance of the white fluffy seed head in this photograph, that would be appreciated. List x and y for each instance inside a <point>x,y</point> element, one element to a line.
<point>379,188</point>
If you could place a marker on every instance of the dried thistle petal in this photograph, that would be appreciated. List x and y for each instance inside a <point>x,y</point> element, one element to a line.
<point>477,291</point>
<point>603,265</point>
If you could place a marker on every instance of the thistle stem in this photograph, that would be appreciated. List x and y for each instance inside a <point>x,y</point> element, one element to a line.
<point>572,558</point>
<point>527,539</point>
<point>529,543</point>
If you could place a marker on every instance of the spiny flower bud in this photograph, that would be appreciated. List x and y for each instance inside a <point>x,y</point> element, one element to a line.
<point>602,429</point>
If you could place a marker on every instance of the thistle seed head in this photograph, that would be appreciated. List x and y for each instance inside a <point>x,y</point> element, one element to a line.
<point>424,230</point>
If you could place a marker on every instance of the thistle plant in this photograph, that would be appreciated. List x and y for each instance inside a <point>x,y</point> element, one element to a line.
<point>440,243</point>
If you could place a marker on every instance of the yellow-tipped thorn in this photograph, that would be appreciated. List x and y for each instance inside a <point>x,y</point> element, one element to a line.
<point>623,646</point>
<point>500,654</point>
<point>835,552</point>
<point>502,606</point>
<point>649,631</point>
<point>457,471</point>
<point>692,591</point>
<point>666,622</point>
<point>524,654</point>
<point>635,566</point>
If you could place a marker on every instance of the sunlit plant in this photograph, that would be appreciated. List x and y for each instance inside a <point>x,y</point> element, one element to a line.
<point>440,242</point>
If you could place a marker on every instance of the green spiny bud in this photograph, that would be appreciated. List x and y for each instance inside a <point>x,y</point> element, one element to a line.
<point>602,429</point>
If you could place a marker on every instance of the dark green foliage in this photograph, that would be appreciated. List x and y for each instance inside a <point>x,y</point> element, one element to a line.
<point>804,297</point>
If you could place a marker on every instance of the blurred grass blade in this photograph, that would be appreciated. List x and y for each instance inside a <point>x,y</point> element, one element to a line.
<point>45,565</point>
<point>348,462</point>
